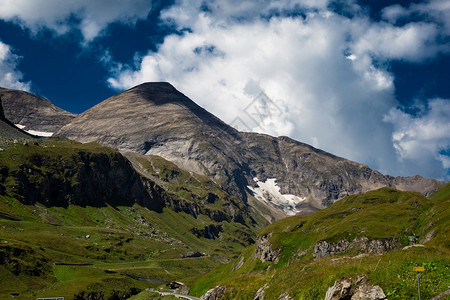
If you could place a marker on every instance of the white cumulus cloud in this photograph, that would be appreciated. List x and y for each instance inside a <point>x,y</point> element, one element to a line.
<point>437,11</point>
<point>413,42</point>
<point>326,76</point>
<point>422,138</point>
<point>10,76</point>
<point>90,17</point>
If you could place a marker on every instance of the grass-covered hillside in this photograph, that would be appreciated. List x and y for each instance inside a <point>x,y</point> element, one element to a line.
<point>77,219</point>
<point>199,193</point>
<point>366,234</point>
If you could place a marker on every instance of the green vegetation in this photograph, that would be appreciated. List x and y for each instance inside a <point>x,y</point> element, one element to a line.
<point>71,254</point>
<point>97,247</point>
<point>384,214</point>
<point>190,186</point>
<point>56,241</point>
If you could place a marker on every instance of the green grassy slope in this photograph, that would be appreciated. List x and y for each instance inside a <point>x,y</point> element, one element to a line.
<point>65,247</point>
<point>384,214</point>
<point>206,195</point>
<point>37,242</point>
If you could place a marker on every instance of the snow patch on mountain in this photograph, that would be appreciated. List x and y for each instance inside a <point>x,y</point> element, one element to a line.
<point>34,132</point>
<point>269,192</point>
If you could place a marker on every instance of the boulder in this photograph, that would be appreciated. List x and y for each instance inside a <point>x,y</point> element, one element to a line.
<point>214,293</point>
<point>264,250</point>
<point>368,292</point>
<point>354,289</point>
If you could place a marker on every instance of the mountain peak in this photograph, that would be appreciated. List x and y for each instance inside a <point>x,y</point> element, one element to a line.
<point>154,85</point>
<point>148,114</point>
<point>156,93</point>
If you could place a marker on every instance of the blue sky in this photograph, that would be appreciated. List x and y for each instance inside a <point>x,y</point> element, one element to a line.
<point>366,80</point>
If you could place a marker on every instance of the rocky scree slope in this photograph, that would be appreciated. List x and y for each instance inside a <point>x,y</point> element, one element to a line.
<point>156,119</point>
<point>33,112</point>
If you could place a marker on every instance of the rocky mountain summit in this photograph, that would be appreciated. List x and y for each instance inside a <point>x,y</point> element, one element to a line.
<point>285,176</point>
<point>32,112</point>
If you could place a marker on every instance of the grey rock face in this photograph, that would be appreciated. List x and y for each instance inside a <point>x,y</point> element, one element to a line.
<point>33,112</point>
<point>342,289</point>
<point>369,292</point>
<point>83,179</point>
<point>214,293</point>
<point>209,232</point>
<point>363,244</point>
<point>260,293</point>
<point>154,118</point>
<point>285,296</point>
<point>354,289</point>
<point>323,248</point>
<point>264,249</point>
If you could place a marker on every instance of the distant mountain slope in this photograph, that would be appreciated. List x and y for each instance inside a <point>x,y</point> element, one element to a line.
<point>156,119</point>
<point>33,112</point>
<point>8,132</point>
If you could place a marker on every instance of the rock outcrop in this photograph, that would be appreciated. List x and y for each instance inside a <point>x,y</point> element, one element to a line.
<point>58,178</point>
<point>264,249</point>
<point>2,114</point>
<point>209,232</point>
<point>285,296</point>
<point>368,292</point>
<point>354,289</point>
<point>260,293</point>
<point>362,245</point>
<point>214,293</point>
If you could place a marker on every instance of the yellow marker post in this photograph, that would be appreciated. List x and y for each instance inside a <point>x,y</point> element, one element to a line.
<point>418,270</point>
